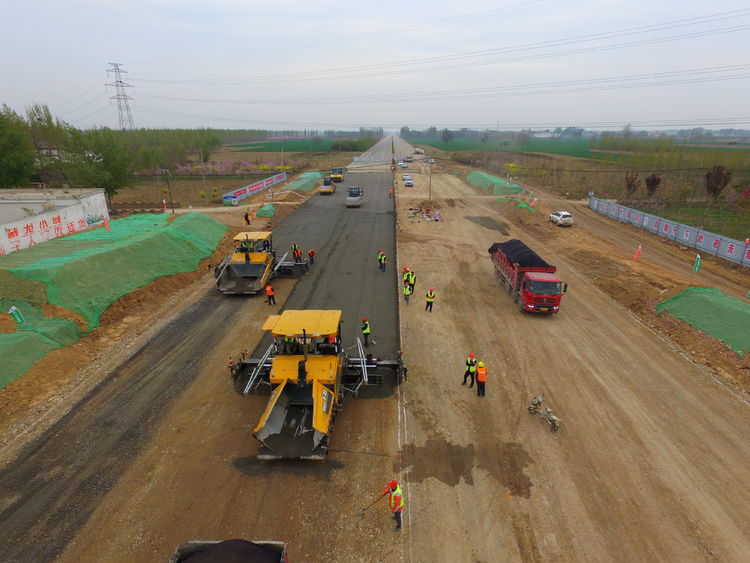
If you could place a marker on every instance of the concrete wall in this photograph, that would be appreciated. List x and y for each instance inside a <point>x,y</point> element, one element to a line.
<point>54,213</point>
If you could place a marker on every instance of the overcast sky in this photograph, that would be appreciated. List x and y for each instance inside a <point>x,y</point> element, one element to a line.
<point>326,64</point>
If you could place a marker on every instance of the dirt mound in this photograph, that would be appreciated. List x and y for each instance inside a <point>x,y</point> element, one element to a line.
<point>7,324</point>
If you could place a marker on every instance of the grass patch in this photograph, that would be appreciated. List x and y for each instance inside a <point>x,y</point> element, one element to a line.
<point>727,222</point>
<point>290,145</point>
<point>565,147</point>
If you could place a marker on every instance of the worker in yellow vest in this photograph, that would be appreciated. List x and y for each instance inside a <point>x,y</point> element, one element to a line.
<point>407,292</point>
<point>430,297</point>
<point>471,369</point>
<point>366,330</point>
<point>481,378</point>
<point>395,501</point>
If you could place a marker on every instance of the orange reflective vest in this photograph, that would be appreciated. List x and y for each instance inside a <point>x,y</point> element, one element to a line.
<point>482,374</point>
<point>269,290</point>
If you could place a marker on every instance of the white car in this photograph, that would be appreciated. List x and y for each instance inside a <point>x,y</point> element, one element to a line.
<point>405,177</point>
<point>561,218</point>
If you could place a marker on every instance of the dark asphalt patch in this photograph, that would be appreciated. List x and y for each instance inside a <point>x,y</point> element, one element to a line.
<point>318,470</point>
<point>489,223</point>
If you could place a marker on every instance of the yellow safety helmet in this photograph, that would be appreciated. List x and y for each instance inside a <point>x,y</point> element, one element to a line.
<point>480,364</point>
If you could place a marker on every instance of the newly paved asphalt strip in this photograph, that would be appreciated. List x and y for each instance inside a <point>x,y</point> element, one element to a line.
<point>345,274</point>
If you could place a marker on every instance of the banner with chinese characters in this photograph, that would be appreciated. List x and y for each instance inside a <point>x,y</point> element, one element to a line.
<point>239,194</point>
<point>712,244</point>
<point>26,232</point>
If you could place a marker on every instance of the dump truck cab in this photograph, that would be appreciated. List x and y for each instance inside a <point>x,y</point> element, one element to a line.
<point>249,267</point>
<point>305,377</point>
<point>337,174</point>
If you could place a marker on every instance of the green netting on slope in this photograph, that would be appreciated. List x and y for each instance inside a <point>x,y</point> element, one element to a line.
<point>521,204</point>
<point>714,313</point>
<point>304,182</point>
<point>19,351</point>
<point>34,338</point>
<point>498,185</point>
<point>268,210</point>
<point>89,271</point>
<point>62,331</point>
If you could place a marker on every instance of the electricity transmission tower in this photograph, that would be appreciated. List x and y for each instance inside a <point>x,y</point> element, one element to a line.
<point>123,107</point>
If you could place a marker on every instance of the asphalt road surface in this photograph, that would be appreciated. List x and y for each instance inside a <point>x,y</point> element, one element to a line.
<point>76,474</point>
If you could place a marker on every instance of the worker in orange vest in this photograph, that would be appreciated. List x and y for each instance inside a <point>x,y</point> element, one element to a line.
<point>270,295</point>
<point>481,378</point>
<point>311,256</point>
<point>395,501</point>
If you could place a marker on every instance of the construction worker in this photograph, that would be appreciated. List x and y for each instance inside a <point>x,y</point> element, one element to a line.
<point>407,292</point>
<point>481,378</point>
<point>295,248</point>
<point>406,275</point>
<point>471,368</point>
<point>430,297</point>
<point>395,501</point>
<point>412,280</point>
<point>298,256</point>
<point>366,330</point>
<point>270,295</point>
<point>311,256</point>
<point>383,261</point>
<point>380,251</point>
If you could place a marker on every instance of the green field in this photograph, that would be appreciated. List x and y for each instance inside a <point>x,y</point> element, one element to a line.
<point>728,222</point>
<point>566,147</point>
<point>291,145</point>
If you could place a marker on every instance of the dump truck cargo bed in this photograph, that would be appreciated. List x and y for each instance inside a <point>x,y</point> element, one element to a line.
<point>257,551</point>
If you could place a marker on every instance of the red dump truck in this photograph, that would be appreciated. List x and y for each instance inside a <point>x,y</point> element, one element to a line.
<point>529,279</point>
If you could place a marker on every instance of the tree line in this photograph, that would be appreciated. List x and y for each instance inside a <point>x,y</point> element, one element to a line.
<point>38,147</point>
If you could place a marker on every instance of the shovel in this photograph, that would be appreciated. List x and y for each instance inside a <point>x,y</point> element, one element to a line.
<point>372,503</point>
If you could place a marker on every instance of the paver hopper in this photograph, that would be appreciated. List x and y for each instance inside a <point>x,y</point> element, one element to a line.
<point>249,267</point>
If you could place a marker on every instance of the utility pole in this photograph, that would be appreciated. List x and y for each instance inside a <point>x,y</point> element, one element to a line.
<point>123,107</point>
<point>429,197</point>
<point>165,172</point>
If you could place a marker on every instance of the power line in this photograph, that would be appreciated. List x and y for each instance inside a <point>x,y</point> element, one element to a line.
<point>670,123</point>
<point>97,112</point>
<point>76,98</point>
<point>522,6</point>
<point>687,76</point>
<point>468,58</point>
<point>123,100</point>
<point>96,98</point>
